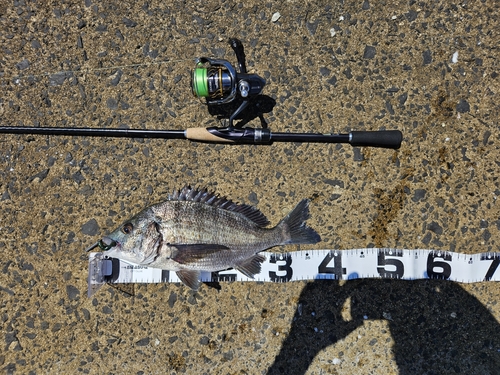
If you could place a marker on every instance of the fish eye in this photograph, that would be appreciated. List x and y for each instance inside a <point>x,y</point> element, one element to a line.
<point>127,228</point>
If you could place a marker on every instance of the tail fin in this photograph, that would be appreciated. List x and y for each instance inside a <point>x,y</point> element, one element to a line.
<point>294,228</point>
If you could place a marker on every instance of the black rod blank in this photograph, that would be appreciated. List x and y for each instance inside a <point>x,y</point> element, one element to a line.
<point>95,132</point>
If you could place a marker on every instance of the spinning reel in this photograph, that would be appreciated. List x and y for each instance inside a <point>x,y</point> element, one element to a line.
<point>217,81</point>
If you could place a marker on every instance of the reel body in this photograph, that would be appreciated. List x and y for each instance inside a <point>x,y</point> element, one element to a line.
<point>219,83</point>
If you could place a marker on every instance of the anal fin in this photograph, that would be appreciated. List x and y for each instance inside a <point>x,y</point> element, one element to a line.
<point>190,278</point>
<point>251,266</point>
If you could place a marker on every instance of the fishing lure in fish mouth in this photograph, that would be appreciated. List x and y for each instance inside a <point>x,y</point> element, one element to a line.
<point>105,247</point>
<point>196,230</point>
<point>104,244</point>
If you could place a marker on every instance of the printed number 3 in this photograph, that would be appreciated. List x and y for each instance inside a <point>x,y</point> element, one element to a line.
<point>285,270</point>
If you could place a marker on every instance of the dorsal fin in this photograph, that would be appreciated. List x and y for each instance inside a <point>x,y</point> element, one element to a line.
<point>204,196</point>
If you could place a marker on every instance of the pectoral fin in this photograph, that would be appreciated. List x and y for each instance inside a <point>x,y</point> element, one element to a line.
<point>192,253</point>
<point>251,266</point>
<point>190,278</point>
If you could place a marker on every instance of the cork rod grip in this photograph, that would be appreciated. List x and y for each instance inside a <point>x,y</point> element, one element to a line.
<point>203,135</point>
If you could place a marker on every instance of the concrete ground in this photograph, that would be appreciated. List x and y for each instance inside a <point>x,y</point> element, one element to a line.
<point>427,68</point>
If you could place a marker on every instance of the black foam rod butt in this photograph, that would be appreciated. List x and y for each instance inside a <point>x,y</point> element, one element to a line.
<point>382,138</point>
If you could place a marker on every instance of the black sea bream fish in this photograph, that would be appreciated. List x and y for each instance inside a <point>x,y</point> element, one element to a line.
<point>196,230</point>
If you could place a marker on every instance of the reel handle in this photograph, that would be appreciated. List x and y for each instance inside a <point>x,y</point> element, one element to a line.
<point>239,51</point>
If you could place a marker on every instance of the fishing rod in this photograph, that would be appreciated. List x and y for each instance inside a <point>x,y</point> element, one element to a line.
<point>218,82</point>
<point>386,139</point>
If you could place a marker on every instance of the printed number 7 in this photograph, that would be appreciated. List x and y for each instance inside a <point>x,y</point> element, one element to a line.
<point>493,267</point>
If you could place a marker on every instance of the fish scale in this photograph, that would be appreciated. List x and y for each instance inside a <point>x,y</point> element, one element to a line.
<point>200,223</point>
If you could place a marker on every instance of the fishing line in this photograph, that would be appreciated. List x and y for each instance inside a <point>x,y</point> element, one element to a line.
<point>90,70</point>
<point>386,263</point>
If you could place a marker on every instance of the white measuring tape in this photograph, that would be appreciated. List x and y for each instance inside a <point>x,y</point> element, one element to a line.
<point>319,264</point>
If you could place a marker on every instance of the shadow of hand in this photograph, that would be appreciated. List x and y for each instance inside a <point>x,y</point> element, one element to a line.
<point>437,327</point>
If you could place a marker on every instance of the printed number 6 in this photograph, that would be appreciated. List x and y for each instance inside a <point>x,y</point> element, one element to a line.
<point>438,269</point>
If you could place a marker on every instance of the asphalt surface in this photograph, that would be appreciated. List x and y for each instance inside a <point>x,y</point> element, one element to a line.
<point>429,69</point>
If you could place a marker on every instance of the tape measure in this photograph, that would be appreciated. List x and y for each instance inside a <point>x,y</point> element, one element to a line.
<point>351,264</point>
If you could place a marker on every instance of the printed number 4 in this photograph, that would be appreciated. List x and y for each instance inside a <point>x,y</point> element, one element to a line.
<point>337,268</point>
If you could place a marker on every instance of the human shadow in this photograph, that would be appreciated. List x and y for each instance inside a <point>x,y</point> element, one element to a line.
<point>437,327</point>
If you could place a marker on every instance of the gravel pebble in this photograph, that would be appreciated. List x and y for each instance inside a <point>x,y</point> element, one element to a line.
<point>90,228</point>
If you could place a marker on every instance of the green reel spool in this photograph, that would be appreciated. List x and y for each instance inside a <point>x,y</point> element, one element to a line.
<point>199,84</point>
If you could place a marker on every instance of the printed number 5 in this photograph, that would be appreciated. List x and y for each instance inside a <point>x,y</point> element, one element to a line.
<point>398,268</point>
